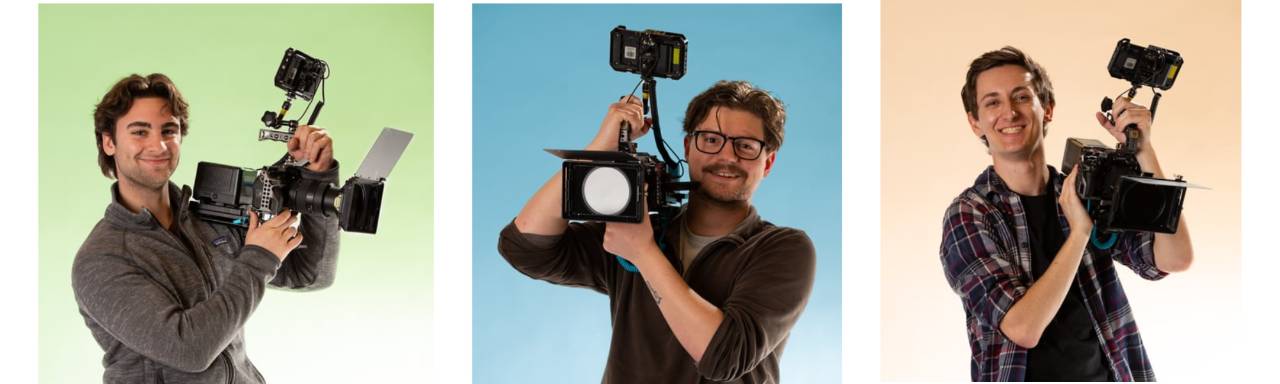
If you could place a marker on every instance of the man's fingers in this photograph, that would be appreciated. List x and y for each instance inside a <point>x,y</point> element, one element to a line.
<point>253,220</point>
<point>1103,121</point>
<point>280,219</point>
<point>295,241</point>
<point>318,148</point>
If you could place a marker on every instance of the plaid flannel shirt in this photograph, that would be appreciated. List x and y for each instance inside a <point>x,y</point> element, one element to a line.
<point>986,254</point>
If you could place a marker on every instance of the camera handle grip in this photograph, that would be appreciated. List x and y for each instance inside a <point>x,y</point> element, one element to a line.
<point>626,265</point>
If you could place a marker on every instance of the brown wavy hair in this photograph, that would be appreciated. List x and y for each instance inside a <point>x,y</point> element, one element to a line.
<point>119,100</point>
<point>743,96</point>
<point>1004,56</point>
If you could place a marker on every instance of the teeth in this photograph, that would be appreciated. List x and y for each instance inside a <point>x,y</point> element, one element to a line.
<point>1010,130</point>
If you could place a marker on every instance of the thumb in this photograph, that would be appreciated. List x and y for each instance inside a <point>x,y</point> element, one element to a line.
<point>1102,120</point>
<point>253,220</point>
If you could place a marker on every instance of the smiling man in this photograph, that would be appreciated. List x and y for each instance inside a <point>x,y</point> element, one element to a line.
<point>719,304</point>
<point>167,295</point>
<point>1040,305</point>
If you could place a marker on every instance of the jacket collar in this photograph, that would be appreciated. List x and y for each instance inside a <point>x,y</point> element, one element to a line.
<point>749,226</point>
<point>118,214</point>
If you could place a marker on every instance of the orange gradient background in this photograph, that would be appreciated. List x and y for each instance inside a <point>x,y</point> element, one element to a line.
<point>1189,321</point>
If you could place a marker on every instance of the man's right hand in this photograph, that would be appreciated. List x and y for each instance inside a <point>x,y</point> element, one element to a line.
<point>1077,216</point>
<point>628,109</point>
<point>278,235</point>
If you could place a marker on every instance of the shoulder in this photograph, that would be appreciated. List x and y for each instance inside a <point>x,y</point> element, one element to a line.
<point>791,241</point>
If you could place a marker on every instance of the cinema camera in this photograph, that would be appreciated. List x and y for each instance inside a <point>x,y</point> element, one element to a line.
<point>618,185</point>
<point>1118,194</point>
<point>227,194</point>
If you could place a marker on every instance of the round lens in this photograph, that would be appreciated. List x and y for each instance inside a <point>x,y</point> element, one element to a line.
<point>606,191</point>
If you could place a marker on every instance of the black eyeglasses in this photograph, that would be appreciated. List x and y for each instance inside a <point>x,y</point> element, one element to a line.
<point>712,142</point>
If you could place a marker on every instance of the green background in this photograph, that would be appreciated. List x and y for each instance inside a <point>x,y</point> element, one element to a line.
<point>374,323</point>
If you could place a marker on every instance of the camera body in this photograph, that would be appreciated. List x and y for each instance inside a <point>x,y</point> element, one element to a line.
<point>648,53</point>
<point>227,194</point>
<point>1118,194</point>
<point>1150,66</point>
<point>611,186</point>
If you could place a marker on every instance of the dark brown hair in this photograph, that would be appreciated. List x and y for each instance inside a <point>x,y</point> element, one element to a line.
<point>743,96</point>
<point>1005,56</point>
<point>119,100</point>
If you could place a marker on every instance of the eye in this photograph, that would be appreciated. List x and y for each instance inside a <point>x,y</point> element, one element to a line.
<point>138,132</point>
<point>710,139</point>
<point>991,103</point>
<point>169,132</point>
<point>1022,98</point>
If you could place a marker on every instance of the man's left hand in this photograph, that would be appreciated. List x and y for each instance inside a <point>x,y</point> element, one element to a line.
<point>314,145</point>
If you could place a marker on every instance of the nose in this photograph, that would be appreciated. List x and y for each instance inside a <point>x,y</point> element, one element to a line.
<point>157,143</point>
<point>728,153</point>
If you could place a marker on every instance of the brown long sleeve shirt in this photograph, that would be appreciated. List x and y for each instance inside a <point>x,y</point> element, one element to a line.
<point>760,276</point>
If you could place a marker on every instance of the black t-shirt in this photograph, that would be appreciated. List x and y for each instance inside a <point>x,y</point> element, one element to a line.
<point>1068,350</point>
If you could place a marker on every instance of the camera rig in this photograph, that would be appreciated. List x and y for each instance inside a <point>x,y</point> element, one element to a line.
<point>1118,194</point>
<point>226,194</point>
<point>619,185</point>
<point>299,75</point>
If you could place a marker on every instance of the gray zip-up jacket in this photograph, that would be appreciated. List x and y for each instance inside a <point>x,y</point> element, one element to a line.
<point>170,307</point>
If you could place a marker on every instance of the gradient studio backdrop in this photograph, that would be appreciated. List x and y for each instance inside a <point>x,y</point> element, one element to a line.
<point>929,158</point>
<point>373,324</point>
<point>542,80</point>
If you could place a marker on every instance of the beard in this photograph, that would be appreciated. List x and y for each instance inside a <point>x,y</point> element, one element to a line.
<point>147,178</point>
<point>734,192</point>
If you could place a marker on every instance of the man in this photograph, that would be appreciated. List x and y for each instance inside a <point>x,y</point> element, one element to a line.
<point>1039,303</point>
<point>166,295</point>
<point>720,301</point>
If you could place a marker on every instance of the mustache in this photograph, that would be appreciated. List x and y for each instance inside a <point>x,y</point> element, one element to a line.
<point>726,168</point>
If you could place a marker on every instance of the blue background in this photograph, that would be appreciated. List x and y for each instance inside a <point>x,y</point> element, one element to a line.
<point>542,80</point>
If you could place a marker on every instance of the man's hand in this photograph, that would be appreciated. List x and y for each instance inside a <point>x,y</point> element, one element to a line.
<point>628,109</point>
<point>1077,216</point>
<point>314,145</point>
<point>277,235</point>
<point>1126,112</point>
<point>631,241</point>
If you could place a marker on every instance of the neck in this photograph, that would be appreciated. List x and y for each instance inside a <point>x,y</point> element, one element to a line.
<point>136,198</point>
<point>1027,176</point>
<point>708,217</point>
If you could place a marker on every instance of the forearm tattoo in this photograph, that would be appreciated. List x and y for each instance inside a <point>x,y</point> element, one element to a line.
<point>656,297</point>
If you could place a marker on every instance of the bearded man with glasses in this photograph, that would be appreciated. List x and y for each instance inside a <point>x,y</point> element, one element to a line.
<point>716,304</point>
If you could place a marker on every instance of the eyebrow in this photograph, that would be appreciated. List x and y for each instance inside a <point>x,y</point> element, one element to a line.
<point>143,124</point>
<point>1020,88</point>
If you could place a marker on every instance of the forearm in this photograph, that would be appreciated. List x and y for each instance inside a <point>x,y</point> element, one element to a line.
<point>541,215</point>
<point>692,319</point>
<point>1031,314</point>
<point>313,265</point>
<point>1172,251</point>
<point>146,318</point>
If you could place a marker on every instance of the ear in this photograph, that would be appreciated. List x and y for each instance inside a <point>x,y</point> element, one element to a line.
<point>768,162</point>
<point>108,144</point>
<point>1048,113</point>
<point>688,140</point>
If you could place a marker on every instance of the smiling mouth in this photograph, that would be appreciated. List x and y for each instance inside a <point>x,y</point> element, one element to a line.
<point>1011,130</point>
